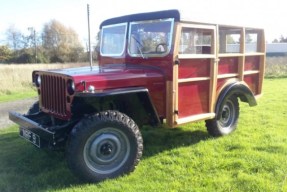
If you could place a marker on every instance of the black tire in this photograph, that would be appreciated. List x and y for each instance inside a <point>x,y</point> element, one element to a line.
<point>35,108</point>
<point>104,145</point>
<point>227,122</point>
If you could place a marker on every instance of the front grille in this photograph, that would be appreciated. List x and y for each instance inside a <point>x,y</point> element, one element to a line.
<point>53,95</point>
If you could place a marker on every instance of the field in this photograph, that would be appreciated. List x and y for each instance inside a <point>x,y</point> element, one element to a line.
<point>253,158</point>
<point>16,80</point>
<point>276,67</point>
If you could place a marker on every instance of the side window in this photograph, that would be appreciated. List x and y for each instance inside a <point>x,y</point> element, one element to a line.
<point>196,41</point>
<point>113,39</point>
<point>229,40</point>
<point>252,41</point>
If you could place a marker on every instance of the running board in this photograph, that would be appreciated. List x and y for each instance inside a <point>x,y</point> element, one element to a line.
<point>194,118</point>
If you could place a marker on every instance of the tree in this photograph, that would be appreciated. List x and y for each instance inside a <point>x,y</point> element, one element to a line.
<point>5,54</point>
<point>61,43</point>
<point>14,38</point>
<point>283,39</point>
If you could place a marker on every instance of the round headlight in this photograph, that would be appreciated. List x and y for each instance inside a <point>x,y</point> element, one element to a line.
<point>91,89</point>
<point>38,80</point>
<point>71,87</point>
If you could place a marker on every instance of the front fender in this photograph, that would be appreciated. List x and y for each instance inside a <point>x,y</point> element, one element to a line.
<point>134,102</point>
<point>237,89</point>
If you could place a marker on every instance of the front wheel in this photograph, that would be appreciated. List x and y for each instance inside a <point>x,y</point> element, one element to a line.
<point>227,120</point>
<point>104,145</point>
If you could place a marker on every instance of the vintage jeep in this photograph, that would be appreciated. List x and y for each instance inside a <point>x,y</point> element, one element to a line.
<point>153,68</point>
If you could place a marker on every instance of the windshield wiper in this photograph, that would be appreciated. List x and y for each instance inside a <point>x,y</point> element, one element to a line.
<point>139,46</point>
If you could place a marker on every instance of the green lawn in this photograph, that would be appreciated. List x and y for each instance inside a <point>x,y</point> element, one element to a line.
<point>13,96</point>
<point>253,158</point>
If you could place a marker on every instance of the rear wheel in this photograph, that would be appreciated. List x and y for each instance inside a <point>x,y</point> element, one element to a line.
<point>104,145</point>
<point>228,119</point>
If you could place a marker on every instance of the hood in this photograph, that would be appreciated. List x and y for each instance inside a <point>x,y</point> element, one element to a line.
<point>111,76</point>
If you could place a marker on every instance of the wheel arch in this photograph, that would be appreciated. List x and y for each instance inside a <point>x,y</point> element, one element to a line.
<point>238,89</point>
<point>134,102</point>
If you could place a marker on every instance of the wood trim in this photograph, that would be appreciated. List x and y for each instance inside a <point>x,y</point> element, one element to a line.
<point>196,56</point>
<point>214,71</point>
<point>241,66</point>
<point>254,54</point>
<point>262,62</point>
<point>250,72</point>
<point>228,75</point>
<point>194,118</point>
<point>175,74</point>
<point>230,55</point>
<point>186,80</point>
<point>198,26</point>
<point>169,103</point>
<point>240,54</point>
<point>241,61</point>
<point>175,89</point>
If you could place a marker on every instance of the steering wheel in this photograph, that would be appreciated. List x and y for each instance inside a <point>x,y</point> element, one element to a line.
<point>162,46</point>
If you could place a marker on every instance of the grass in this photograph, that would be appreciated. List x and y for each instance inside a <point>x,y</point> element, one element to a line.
<point>253,158</point>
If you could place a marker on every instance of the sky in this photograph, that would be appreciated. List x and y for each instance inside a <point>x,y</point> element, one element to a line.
<point>267,14</point>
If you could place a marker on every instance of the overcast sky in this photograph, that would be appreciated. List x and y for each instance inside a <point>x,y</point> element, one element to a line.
<point>268,14</point>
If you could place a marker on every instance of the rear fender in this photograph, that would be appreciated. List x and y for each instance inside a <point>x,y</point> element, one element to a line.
<point>237,89</point>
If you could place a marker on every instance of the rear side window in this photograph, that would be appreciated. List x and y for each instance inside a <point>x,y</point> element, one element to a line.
<point>196,41</point>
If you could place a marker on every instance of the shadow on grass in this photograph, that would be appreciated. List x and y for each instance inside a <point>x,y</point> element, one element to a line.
<point>24,167</point>
<point>157,140</point>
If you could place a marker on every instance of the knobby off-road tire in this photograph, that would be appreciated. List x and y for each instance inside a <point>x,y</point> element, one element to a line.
<point>227,122</point>
<point>104,145</point>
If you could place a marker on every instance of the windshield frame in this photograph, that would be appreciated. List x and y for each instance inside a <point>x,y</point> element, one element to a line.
<point>143,54</point>
<point>123,44</point>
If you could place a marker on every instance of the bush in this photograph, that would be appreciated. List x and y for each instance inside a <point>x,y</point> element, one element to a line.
<point>276,67</point>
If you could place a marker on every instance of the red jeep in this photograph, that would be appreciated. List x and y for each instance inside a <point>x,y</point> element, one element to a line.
<point>153,68</point>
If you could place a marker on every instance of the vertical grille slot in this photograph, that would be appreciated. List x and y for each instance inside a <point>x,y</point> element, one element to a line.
<point>53,95</point>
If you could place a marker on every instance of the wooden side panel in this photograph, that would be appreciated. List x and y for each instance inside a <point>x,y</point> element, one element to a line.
<point>252,81</point>
<point>252,63</point>
<point>193,98</point>
<point>196,68</point>
<point>228,65</point>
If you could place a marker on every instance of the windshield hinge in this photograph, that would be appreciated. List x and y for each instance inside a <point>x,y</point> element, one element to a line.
<point>176,61</point>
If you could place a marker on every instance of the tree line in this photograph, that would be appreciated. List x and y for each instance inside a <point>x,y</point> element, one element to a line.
<point>55,44</point>
<point>282,39</point>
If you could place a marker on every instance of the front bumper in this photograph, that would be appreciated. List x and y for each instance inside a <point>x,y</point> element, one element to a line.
<point>28,122</point>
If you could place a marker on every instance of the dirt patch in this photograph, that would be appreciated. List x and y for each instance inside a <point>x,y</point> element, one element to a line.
<point>20,106</point>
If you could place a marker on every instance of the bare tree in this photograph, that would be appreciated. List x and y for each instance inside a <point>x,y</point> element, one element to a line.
<point>14,38</point>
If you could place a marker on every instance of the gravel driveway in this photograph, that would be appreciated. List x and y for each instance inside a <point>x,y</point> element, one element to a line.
<point>20,106</point>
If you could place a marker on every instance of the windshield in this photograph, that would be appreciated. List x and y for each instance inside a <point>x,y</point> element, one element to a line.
<point>113,39</point>
<point>150,38</point>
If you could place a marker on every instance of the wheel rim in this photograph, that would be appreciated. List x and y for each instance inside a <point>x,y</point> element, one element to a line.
<point>106,150</point>
<point>228,117</point>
